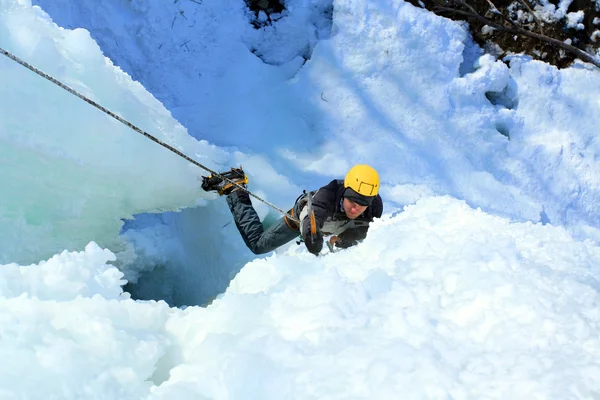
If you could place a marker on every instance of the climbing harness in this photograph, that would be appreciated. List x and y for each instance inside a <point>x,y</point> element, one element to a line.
<point>299,205</point>
<point>136,129</point>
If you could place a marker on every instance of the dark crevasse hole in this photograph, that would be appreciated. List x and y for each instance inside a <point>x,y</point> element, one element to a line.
<point>503,129</point>
<point>501,98</point>
<point>272,10</point>
<point>269,6</point>
<point>507,98</point>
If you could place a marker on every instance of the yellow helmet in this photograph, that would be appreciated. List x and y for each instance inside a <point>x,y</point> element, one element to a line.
<point>363,179</point>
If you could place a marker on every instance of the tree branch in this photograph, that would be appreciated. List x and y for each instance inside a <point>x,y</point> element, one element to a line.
<point>518,30</point>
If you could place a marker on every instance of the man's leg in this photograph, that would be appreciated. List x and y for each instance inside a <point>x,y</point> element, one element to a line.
<point>258,240</point>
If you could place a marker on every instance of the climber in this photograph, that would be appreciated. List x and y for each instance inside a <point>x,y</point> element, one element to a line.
<point>342,210</point>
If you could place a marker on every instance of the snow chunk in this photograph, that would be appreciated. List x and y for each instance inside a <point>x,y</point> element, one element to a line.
<point>574,20</point>
<point>65,276</point>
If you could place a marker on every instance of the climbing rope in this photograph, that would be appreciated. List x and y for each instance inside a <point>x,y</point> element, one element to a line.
<point>136,129</point>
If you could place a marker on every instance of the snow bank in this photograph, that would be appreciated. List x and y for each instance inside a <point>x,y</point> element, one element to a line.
<point>440,301</point>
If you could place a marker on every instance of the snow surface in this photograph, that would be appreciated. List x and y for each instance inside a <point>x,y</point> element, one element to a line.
<point>480,281</point>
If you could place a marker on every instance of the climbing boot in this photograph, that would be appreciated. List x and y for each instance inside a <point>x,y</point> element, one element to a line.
<point>223,183</point>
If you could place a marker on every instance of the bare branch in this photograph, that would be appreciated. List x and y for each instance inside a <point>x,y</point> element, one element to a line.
<point>494,8</point>
<point>518,30</point>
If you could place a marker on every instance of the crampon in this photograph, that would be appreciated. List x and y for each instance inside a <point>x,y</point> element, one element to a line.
<point>225,182</point>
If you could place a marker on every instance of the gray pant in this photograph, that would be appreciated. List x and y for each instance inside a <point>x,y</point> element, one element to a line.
<point>258,239</point>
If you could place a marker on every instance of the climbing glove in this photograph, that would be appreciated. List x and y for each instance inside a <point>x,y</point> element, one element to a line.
<point>313,246</point>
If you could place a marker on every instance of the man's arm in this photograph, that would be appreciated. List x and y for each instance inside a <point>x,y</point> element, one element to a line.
<point>323,205</point>
<point>351,237</point>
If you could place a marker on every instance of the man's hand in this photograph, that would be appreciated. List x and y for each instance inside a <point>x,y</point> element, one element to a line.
<point>313,246</point>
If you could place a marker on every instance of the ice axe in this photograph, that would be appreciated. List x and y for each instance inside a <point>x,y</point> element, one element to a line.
<point>313,225</point>
<point>331,242</point>
<point>313,221</point>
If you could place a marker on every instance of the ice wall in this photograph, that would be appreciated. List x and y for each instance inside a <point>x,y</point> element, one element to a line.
<point>70,173</point>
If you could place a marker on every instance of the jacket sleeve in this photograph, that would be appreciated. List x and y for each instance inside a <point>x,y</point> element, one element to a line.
<point>351,237</point>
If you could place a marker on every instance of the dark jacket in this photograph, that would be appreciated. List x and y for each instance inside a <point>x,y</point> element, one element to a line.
<point>327,206</point>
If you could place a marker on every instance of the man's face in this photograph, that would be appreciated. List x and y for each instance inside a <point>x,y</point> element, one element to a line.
<point>352,209</point>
